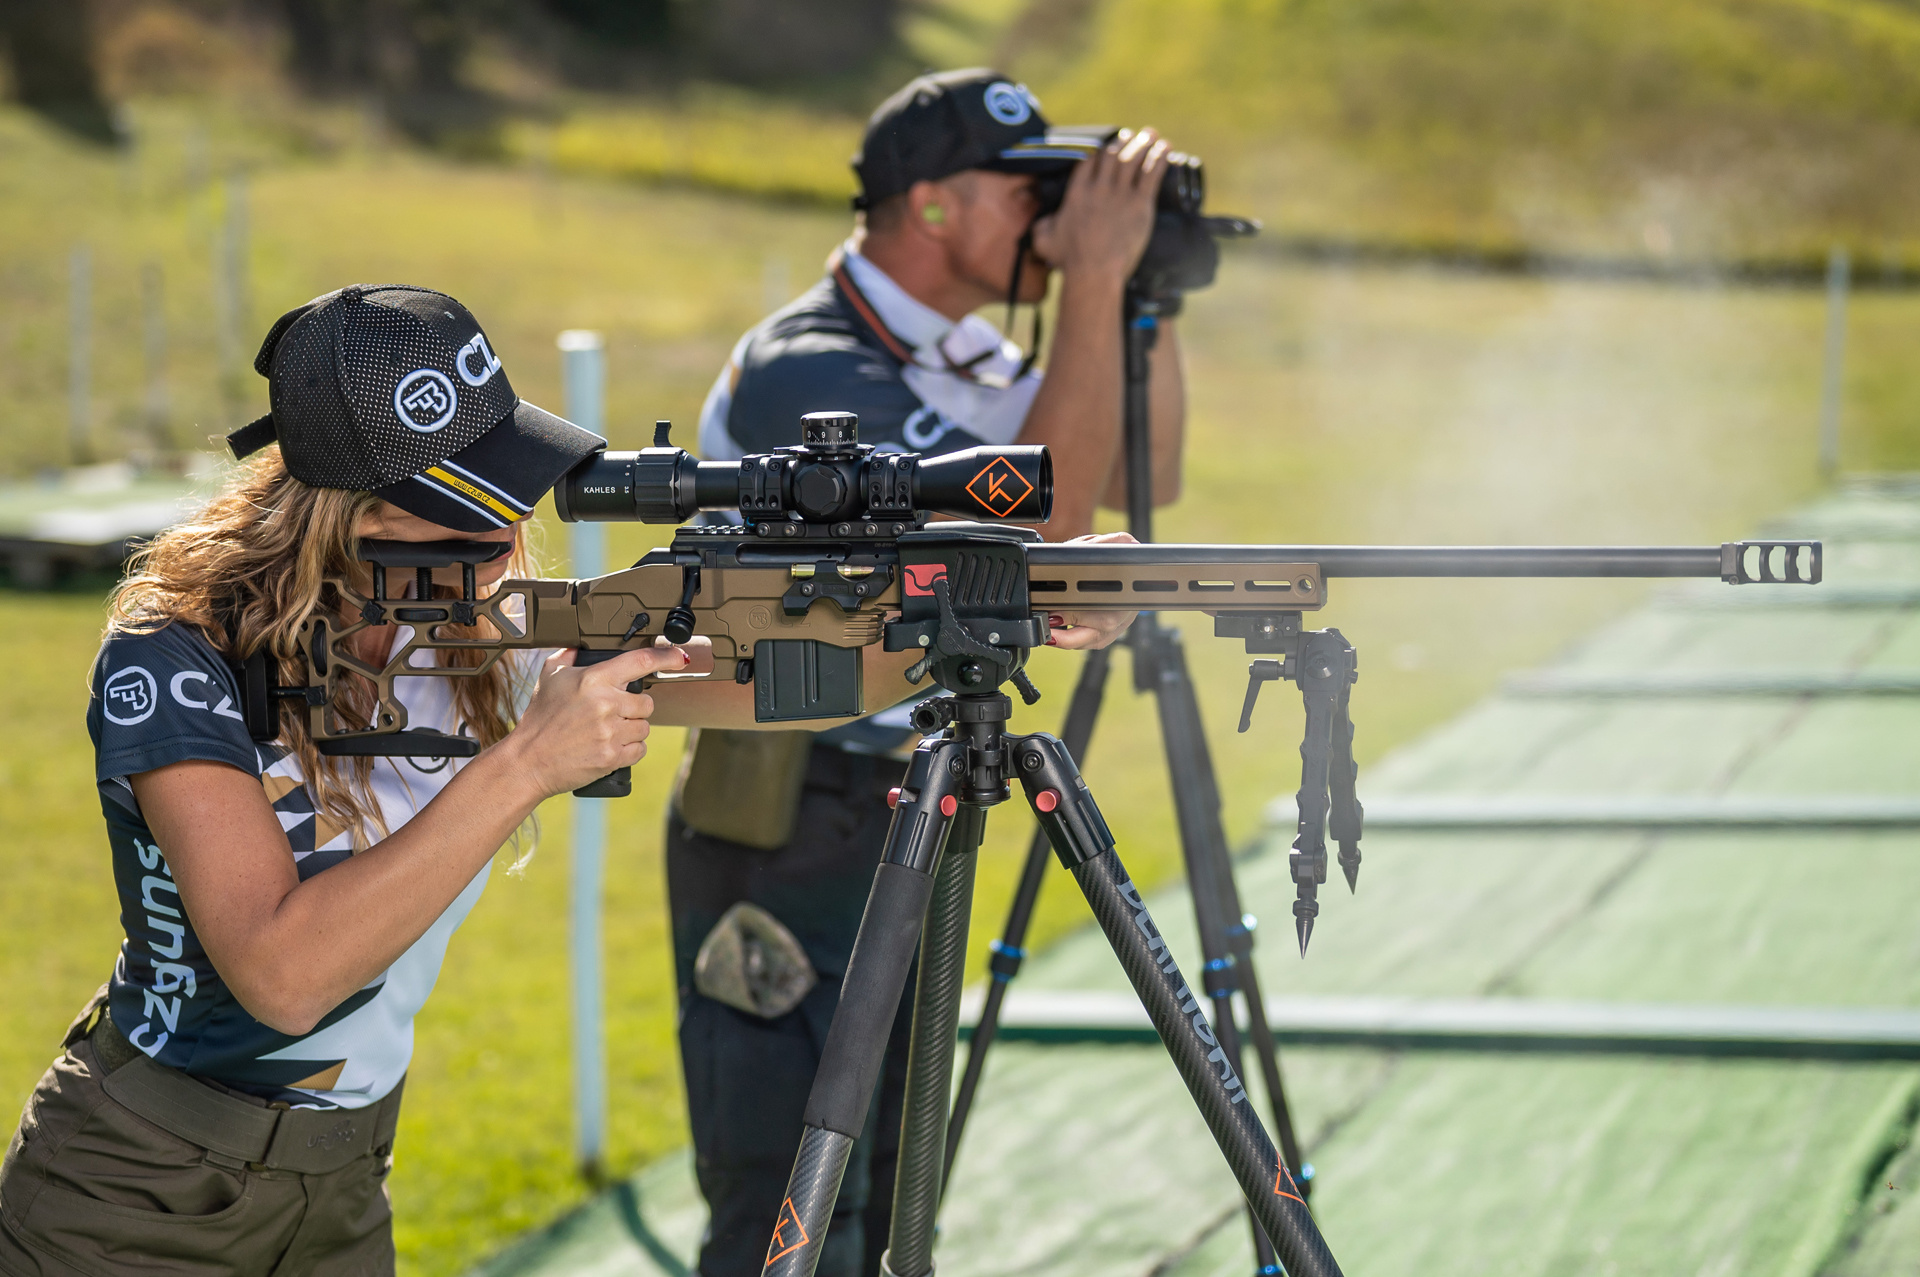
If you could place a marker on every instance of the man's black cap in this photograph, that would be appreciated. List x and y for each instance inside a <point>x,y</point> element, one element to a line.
<point>942,124</point>
<point>396,390</point>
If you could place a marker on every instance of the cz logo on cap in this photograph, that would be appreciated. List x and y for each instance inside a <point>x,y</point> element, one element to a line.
<point>1009,103</point>
<point>476,352</point>
<point>425,400</point>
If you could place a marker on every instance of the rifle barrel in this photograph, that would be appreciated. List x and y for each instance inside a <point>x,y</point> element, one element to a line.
<point>1411,560</point>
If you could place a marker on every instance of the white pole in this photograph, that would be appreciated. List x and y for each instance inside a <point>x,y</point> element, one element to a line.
<point>80,352</point>
<point>1838,272</point>
<point>583,376</point>
<point>230,292</point>
<point>153,331</point>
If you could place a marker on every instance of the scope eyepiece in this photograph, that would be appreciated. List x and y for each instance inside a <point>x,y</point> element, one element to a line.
<point>831,481</point>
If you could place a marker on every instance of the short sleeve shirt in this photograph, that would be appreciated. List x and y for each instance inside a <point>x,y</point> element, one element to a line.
<point>166,697</point>
<point>918,381</point>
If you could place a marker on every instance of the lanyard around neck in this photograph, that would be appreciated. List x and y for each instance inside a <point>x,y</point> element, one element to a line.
<point>897,345</point>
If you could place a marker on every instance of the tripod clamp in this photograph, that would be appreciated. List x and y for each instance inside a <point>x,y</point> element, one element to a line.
<point>1325,667</point>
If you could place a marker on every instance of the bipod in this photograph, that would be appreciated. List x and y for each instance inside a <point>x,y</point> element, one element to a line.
<point>918,898</point>
<point>1325,667</point>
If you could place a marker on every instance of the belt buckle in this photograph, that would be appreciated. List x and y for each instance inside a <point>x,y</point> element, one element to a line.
<point>313,1142</point>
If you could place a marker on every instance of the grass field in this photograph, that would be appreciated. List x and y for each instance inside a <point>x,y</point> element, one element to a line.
<point>1708,130</point>
<point>1328,405</point>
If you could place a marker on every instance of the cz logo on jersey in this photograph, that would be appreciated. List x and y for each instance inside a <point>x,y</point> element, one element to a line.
<point>999,488</point>
<point>133,692</point>
<point>425,399</point>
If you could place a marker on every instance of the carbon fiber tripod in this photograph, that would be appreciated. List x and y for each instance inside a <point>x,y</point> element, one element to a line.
<point>922,896</point>
<point>1225,929</point>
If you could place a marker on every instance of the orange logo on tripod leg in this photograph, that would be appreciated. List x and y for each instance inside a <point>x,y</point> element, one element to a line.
<point>1283,1185</point>
<point>788,1235</point>
<point>999,488</point>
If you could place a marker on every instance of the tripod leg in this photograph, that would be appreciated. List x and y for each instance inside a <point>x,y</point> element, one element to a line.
<point>1203,844</point>
<point>936,1013</point>
<point>1080,838</point>
<point>869,996</point>
<point>1010,949</point>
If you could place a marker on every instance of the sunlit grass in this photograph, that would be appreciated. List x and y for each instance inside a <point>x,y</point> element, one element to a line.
<point>1328,405</point>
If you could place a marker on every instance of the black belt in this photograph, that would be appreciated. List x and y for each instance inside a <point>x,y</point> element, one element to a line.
<point>238,1128</point>
<point>853,774</point>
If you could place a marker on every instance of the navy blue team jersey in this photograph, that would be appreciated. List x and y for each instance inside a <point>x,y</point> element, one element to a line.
<point>167,697</point>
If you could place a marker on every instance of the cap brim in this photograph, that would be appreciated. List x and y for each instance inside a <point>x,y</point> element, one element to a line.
<point>1051,151</point>
<point>498,478</point>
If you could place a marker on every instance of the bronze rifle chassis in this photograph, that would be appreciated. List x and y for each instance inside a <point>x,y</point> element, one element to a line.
<point>965,595</point>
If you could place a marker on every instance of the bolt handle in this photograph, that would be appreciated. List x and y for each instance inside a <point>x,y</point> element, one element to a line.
<point>678,627</point>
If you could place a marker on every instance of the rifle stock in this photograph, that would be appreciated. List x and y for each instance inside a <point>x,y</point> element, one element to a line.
<point>742,592</point>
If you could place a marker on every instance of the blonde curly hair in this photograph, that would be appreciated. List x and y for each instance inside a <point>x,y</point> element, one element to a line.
<point>249,568</point>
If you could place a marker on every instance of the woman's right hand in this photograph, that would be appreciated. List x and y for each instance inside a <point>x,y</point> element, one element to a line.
<point>583,722</point>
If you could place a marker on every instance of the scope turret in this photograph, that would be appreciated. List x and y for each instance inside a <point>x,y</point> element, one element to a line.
<point>831,484</point>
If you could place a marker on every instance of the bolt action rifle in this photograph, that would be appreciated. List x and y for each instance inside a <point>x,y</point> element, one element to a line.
<point>836,553</point>
<point>833,553</point>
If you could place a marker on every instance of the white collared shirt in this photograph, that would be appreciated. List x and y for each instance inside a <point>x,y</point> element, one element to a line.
<point>988,399</point>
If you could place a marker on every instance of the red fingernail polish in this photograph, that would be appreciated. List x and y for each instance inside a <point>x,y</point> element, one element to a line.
<point>1056,620</point>
<point>1052,641</point>
<point>685,659</point>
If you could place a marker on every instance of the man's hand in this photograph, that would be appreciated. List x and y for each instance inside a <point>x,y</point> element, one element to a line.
<point>1083,631</point>
<point>1104,222</point>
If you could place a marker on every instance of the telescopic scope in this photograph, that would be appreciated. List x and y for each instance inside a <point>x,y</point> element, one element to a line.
<point>831,483</point>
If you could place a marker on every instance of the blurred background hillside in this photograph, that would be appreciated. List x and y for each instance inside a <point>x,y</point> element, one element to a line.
<point>1533,271</point>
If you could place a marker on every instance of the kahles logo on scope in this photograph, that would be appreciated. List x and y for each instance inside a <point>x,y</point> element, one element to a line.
<point>129,696</point>
<point>425,400</point>
<point>999,488</point>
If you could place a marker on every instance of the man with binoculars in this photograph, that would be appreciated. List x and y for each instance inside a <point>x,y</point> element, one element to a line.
<point>773,836</point>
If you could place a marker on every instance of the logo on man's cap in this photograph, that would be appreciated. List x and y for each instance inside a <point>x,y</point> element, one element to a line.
<point>1009,103</point>
<point>425,400</point>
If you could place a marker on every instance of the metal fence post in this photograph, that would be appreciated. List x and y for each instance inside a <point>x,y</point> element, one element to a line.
<point>80,353</point>
<point>1838,279</point>
<point>583,375</point>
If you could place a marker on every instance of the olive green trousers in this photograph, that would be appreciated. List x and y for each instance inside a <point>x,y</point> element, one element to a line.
<point>92,1188</point>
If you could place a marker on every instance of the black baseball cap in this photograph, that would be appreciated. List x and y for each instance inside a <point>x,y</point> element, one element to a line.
<point>950,121</point>
<point>395,390</point>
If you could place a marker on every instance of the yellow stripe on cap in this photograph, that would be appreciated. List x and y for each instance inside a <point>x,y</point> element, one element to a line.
<point>484,498</point>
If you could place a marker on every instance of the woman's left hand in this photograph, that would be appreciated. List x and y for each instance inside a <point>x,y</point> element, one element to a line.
<point>1084,631</point>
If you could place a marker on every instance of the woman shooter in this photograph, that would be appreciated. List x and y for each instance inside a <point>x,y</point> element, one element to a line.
<point>226,1103</point>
